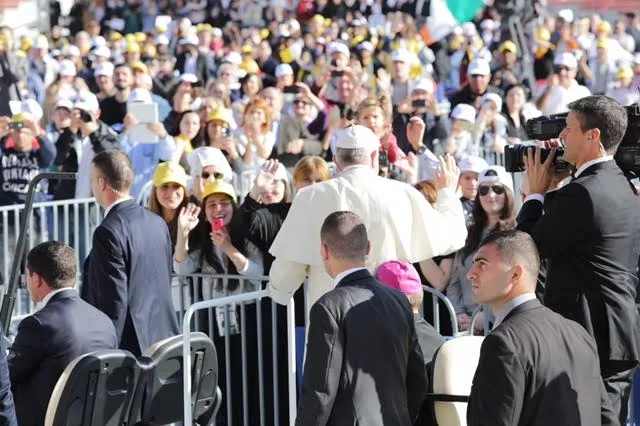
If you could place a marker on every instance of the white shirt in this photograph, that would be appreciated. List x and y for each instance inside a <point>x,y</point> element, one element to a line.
<point>510,306</point>
<point>561,96</point>
<point>108,209</point>
<point>48,297</point>
<point>343,274</point>
<point>540,197</point>
<point>190,64</point>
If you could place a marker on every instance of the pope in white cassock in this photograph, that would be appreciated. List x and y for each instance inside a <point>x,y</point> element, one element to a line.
<point>400,222</point>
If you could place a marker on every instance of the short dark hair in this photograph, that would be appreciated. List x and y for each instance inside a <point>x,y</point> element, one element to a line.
<point>116,169</point>
<point>516,247</point>
<point>345,235</point>
<point>55,262</point>
<point>603,113</point>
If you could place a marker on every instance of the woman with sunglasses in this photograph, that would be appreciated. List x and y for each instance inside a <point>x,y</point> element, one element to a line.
<point>206,164</point>
<point>494,210</point>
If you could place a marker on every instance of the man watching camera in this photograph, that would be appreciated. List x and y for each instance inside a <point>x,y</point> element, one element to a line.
<point>588,230</point>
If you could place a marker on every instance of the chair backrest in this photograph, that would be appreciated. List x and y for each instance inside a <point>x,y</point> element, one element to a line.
<point>95,389</point>
<point>160,402</point>
<point>454,366</point>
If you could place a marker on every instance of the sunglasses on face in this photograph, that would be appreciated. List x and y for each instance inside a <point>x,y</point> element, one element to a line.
<point>207,175</point>
<point>560,69</point>
<point>300,102</point>
<point>497,189</point>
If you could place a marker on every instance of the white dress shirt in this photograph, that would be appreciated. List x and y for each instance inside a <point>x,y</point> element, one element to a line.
<point>343,274</point>
<point>48,297</point>
<point>581,169</point>
<point>108,209</point>
<point>510,306</point>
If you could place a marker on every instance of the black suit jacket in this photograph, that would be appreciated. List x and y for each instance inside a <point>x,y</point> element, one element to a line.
<point>590,234</point>
<point>537,368</point>
<point>364,364</point>
<point>202,68</point>
<point>7,406</point>
<point>46,343</point>
<point>128,276</point>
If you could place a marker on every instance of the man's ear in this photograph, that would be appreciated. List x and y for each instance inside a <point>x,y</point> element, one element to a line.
<point>324,252</point>
<point>517,273</point>
<point>368,247</point>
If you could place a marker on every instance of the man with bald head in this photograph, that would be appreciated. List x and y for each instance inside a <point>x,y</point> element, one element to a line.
<point>536,367</point>
<point>364,364</point>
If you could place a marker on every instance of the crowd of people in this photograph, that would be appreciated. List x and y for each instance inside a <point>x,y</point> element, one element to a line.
<point>325,107</point>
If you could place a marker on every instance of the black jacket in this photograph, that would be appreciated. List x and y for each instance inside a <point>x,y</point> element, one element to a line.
<point>364,364</point>
<point>537,369</point>
<point>46,343</point>
<point>589,234</point>
<point>128,276</point>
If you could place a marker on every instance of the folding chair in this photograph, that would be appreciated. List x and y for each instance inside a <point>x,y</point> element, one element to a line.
<point>95,389</point>
<point>158,400</point>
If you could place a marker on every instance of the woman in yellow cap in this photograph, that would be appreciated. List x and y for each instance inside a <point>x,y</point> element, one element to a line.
<point>624,92</point>
<point>169,195</point>
<point>210,241</point>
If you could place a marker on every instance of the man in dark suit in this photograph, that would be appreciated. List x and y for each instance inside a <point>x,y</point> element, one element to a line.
<point>535,367</point>
<point>364,364</point>
<point>65,328</point>
<point>128,272</point>
<point>192,61</point>
<point>588,230</point>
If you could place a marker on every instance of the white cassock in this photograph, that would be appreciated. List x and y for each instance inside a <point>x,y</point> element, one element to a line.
<point>400,222</point>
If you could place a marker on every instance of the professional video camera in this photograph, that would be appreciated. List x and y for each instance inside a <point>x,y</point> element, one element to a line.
<point>544,128</point>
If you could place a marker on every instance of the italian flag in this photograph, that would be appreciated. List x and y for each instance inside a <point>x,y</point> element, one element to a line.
<point>445,15</point>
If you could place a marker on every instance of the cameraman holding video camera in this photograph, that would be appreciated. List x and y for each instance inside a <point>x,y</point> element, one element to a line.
<point>589,232</point>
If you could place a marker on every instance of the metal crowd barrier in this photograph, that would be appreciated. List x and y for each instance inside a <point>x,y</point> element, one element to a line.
<point>257,378</point>
<point>70,221</point>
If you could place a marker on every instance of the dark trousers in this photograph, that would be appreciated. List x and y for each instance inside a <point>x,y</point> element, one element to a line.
<point>617,377</point>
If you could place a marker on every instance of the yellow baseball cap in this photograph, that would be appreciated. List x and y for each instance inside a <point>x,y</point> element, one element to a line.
<point>115,36</point>
<point>169,172</point>
<point>220,114</point>
<point>141,37</point>
<point>247,48</point>
<point>624,72</point>
<point>509,46</point>
<point>140,66</point>
<point>219,186</point>
<point>132,48</point>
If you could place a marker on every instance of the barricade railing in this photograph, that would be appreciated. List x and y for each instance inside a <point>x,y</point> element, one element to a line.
<point>438,297</point>
<point>69,221</point>
<point>235,340</point>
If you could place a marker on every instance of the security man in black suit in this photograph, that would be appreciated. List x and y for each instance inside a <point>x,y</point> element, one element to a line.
<point>364,364</point>
<point>589,232</point>
<point>65,328</point>
<point>128,272</point>
<point>535,367</point>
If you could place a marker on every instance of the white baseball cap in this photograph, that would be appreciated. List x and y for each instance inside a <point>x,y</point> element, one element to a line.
<point>283,69</point>
<point>42,42</point>
<point>64,103</point>
<point>358,137</point>
<point>566,59</point>
<point>206,156</point>
<point>102,51</point>
<point>162,40</point>
<point>27,106</point>
<point>233,58</point>
<point>425,84</point>
<point>139,95</point>
<point>464,112</point>
<point>401,55</point>
<point>472,163</point>
<point>337,47</point>
<point>67,68</point>
<point>87,101</point>
<point>189,78</point>
<point>104,68</point>
<point>495,98</point>
<point>479,67</point>
<point>190,39</point>
<point>496,174</point>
